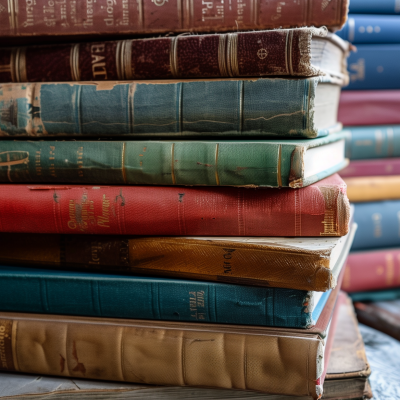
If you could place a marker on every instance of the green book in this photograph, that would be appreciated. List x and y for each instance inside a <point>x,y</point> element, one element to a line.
<point>302,108</point>
<point>273,163</point>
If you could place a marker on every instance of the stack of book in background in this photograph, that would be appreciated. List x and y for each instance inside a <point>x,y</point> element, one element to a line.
<point>112,269</point>
<point>370,109</point>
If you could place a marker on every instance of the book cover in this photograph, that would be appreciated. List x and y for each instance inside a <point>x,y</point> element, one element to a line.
<point>371,29</point>
<point>373,188</point>
<point>369,107</point>
<point>374,7</point>
<point>376,295</point>
<point>368,142</point>
<point>378,224</point>
<point>128,17</point>
<point>304,264</point>
<point>272,163</point>
<point>171,353</point>
<point>297,52</point>
<point>374,67</point>
<point>378,167</point>
<point>221,107</point>
<point>321,209</point>
<point>372,270</point>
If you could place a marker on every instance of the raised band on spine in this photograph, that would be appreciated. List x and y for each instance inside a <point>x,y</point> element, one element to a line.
<point>118,59</point>
<point>173,57</point>
<point>21,66</point>
<point>74,62</point>
<point>232,61</point>
<point>127,59</point>
<point>222,55</point>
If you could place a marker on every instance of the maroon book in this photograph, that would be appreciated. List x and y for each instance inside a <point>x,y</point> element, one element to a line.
<point>296,52</point>
<point>378,167</point>
<point>102,17</point>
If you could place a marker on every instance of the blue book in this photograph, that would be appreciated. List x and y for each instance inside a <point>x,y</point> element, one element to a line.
<point>371,29</point>
<point>378,224</point>
<point>366,142</point>
<point>374,7</point>
<point>376,295</point>
<point>374,66</point>
<point>89,294</point>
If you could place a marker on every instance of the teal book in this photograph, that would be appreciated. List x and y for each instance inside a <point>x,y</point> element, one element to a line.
<point>89,294</point>
<point>376,295</point>
<point>230,107</point>
<point>378,141</point>
<point>274,163</point>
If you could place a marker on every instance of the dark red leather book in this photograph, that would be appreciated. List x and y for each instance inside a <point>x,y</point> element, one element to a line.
<point>296,52</point>
<point>369,107</point>
<point>372,270</point>
<point>101,17</point>
<point>321,209</point>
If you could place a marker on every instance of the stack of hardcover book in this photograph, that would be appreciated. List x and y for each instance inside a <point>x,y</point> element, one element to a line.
<point>170,211</point>
<point>373,176</point>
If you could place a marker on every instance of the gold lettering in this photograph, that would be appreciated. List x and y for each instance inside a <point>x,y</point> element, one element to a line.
<point>104,219</point>
<point>72,217</point>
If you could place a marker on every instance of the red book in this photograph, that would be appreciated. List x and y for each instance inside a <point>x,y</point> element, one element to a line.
<point>379,167</point>
<point>372,270</point>
<point>101,17</point>
<point>321,209</point>
<point>369,107</point>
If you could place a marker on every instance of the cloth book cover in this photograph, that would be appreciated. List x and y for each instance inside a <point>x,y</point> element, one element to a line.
<point>272,163</point>
<point>374,7</point>
<point>276,107</point>
<point>128,17</point>
<point>172,353</point>
<point>369,107</point>
<point>304,263</point>
<point>298,52</point>
<point>346,377</point>
<point>378,167</point>
<point>373,188</point>
<point>321,209</point>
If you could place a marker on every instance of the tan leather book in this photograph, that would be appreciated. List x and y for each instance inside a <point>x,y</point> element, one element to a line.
<point>301,263</point>
<point>373,188</point>
<point>273,360</point>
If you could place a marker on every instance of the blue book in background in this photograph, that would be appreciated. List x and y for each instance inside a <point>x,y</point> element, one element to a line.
<point>374,7</point>
<point>378,225</point>
<point>371,29</point>
<point>378,141</point>
<point>374,66</point>
<point>89,294</point>
<point>376,295</point>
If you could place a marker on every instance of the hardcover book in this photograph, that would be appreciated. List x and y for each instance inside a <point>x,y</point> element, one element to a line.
<point>378,167</point>
<point>369,107</point>
<point>221,107</point>
<point>321,209</point>
<point>346,377</point>
<point>373,188</point>
<point>272,163</point>
<point>374,7</point>
<point>304,264</point>
<point>171,353</point>
<point>128,17</point>
<point>297,52</point>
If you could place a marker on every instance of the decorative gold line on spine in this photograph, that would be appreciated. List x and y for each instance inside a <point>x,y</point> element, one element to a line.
<point>255,7</point>
<point>216,164</point>
<point>222,55</point>
<point>12,67</point>
<point>290,50</point>
<point>172,164</point>
<point>127,60</point>
<point>232,61</point>
<point>173,60</point>
<point>118,59</point>
<point>187,21</point>
<point>12,14</point>
<point>74,62</point>
<point>179,11</point>
<point>123,162</point>
<point>286,53</point>
<point>279,165</point>
<point>22,75</point>
<point>140,13</point>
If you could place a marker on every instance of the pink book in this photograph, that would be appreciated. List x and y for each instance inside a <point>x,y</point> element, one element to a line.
<point>378,167</point>
<point>369,107</point>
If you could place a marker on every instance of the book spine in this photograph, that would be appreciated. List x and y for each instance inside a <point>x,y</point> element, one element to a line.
<point>138,162</point>
<point>369,107</point>
<point>378,224</point>
<point>280,52</point>
<point>178,356</point>
<point>362,189</point>
<point>371,29</point>
<point>88,294</point>
<point>209,260</point>
<point>379,167</point>
<point>226,107</point>
<point>318,210</point>
<point>374,67</point>
<point>372,270</point>
<point>374,7</point>
<point>378,318</point>
<point>161,16</point>
<point>373,142</point>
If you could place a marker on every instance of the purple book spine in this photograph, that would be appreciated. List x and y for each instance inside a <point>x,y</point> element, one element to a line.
<point>378,167</point>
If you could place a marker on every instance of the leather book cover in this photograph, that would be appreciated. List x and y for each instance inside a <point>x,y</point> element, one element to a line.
<point>128,17</point>
<point>261,53</point>
<point>321,209</point>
